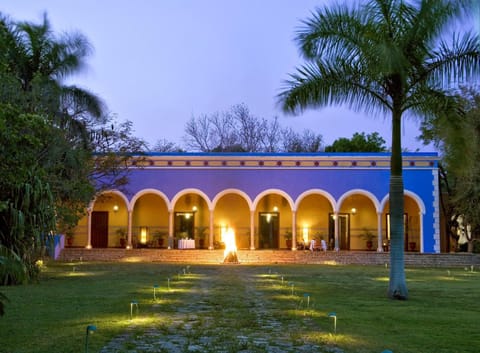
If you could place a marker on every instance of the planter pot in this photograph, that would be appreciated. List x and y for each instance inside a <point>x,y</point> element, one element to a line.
<point>70,241</point>
<point>160,242</point>
<point>369,245</point>
<point>412,245</point>
<point>289,243</point>
<point>123,242</point>
<point>201,243</point>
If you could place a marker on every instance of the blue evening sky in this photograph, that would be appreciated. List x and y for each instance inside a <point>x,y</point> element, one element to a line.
<point>157,63</point>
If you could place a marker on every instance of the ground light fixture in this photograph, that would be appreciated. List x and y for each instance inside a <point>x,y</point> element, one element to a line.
<point>307,295</point>
<point>90,329</point>
<point>132,304</point>
<point>155,287</point>
<point>334,316</point>
<point>292,285</point>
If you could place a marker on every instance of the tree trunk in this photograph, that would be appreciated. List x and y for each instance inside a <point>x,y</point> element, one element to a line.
<point>397,286</point>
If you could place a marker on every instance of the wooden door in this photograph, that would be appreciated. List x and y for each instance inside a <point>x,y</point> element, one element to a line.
<point>269,226</point>
<point>343,230</point>
<point>99,229</point>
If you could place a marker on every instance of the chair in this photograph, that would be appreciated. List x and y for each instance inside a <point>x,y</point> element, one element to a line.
<point>323,245</point>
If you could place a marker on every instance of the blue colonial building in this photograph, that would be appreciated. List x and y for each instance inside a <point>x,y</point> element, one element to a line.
<point>270,201</point>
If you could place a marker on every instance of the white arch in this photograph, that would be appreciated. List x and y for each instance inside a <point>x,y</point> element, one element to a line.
<point>110,191</point>
<point>363,192</point>
<point>148,191</point>
<point>321,192</point>
<point>409,193</point>
<point>190,191</point>
<point>232,191</point>
<point>273,191</point>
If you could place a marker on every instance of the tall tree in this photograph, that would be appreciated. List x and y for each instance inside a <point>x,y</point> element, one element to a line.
<point>457,135</point>
<point>40,61</point>
<point>383,56</point>
<point>49,133</point>
<point>307,141</point>
<point>358,143</point>
<point>238,130</point>
<point>163,145</point>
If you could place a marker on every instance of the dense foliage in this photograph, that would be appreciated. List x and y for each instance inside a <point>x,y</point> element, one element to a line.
<point>50,135</point>
<point>358,143</point>
<point>456,133</point>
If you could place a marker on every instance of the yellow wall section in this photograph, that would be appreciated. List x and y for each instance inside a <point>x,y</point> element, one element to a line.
<point>150,210</point>
<point>313,213</point>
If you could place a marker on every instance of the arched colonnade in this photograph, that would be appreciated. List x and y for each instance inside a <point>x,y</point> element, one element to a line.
<point>270,220</point>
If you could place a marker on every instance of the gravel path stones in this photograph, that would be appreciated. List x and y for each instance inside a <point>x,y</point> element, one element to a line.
<point>218,309</point>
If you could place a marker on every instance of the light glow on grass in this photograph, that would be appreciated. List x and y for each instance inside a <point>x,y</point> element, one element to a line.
<point>134,259</point>
<point>331,263</point>
<point>231,297</point>
<point>78,273</point>
<point>337,339</point>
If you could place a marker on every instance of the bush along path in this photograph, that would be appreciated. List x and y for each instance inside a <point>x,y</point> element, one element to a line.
<point>230,308</point>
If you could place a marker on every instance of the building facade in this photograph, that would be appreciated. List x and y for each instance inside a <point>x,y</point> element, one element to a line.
<point>269,201</point>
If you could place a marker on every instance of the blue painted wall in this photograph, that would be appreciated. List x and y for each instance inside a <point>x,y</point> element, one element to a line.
<point>294,181</point>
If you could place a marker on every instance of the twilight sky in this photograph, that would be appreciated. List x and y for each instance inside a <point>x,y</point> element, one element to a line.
<point>157,63</point>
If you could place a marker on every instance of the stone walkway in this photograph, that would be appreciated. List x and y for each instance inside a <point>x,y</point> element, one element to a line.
<point>222,309</point>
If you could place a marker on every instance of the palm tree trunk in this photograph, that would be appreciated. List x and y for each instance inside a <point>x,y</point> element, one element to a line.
<point>397,286</point>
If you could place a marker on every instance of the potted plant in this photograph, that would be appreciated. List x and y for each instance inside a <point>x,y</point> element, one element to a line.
<point>288,239</point>
<point>122,233</point>
<point>69,235</point>
<point>412,245</point>
<point>160,238</point>
<point>368,235</point>
<point>201,234</point>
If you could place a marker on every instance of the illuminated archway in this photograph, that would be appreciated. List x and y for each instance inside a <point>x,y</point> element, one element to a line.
<point>232,209</point>
<point>414,209</point>
<point>273,217</point>
<point>314,208</point>
<point>190,216</point>
<point>149,219</point>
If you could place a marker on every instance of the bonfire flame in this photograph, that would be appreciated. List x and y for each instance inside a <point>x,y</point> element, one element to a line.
<point>228,238</point>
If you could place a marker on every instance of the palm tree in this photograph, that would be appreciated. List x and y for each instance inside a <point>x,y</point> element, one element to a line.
<point>384,56</point>
<point>40,62</point>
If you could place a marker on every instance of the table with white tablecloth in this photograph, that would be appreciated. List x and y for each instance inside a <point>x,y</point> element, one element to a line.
<point>186,243</point>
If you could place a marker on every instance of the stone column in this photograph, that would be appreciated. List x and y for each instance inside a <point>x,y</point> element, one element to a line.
<point>210,233</point>
<point>252,230</point>
<point>89,229</point>
<point>420,235</point>
<point>379,232</point>
<point>294,230</point>
<point>170,229</point>
<point>129,229</point>
<point>336,221</point>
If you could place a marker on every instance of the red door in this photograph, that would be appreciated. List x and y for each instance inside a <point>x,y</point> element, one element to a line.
<point>99,229</point>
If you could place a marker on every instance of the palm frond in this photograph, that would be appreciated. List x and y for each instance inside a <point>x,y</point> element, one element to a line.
<point>79,102</point>
<point>331,32</point>
<point>322,83</point>
<point>456,60</point>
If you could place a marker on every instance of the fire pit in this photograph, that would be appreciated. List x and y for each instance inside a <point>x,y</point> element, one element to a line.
<point>230,253</point>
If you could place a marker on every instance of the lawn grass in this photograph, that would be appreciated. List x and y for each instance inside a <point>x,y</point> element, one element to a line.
<point>51,316</point>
